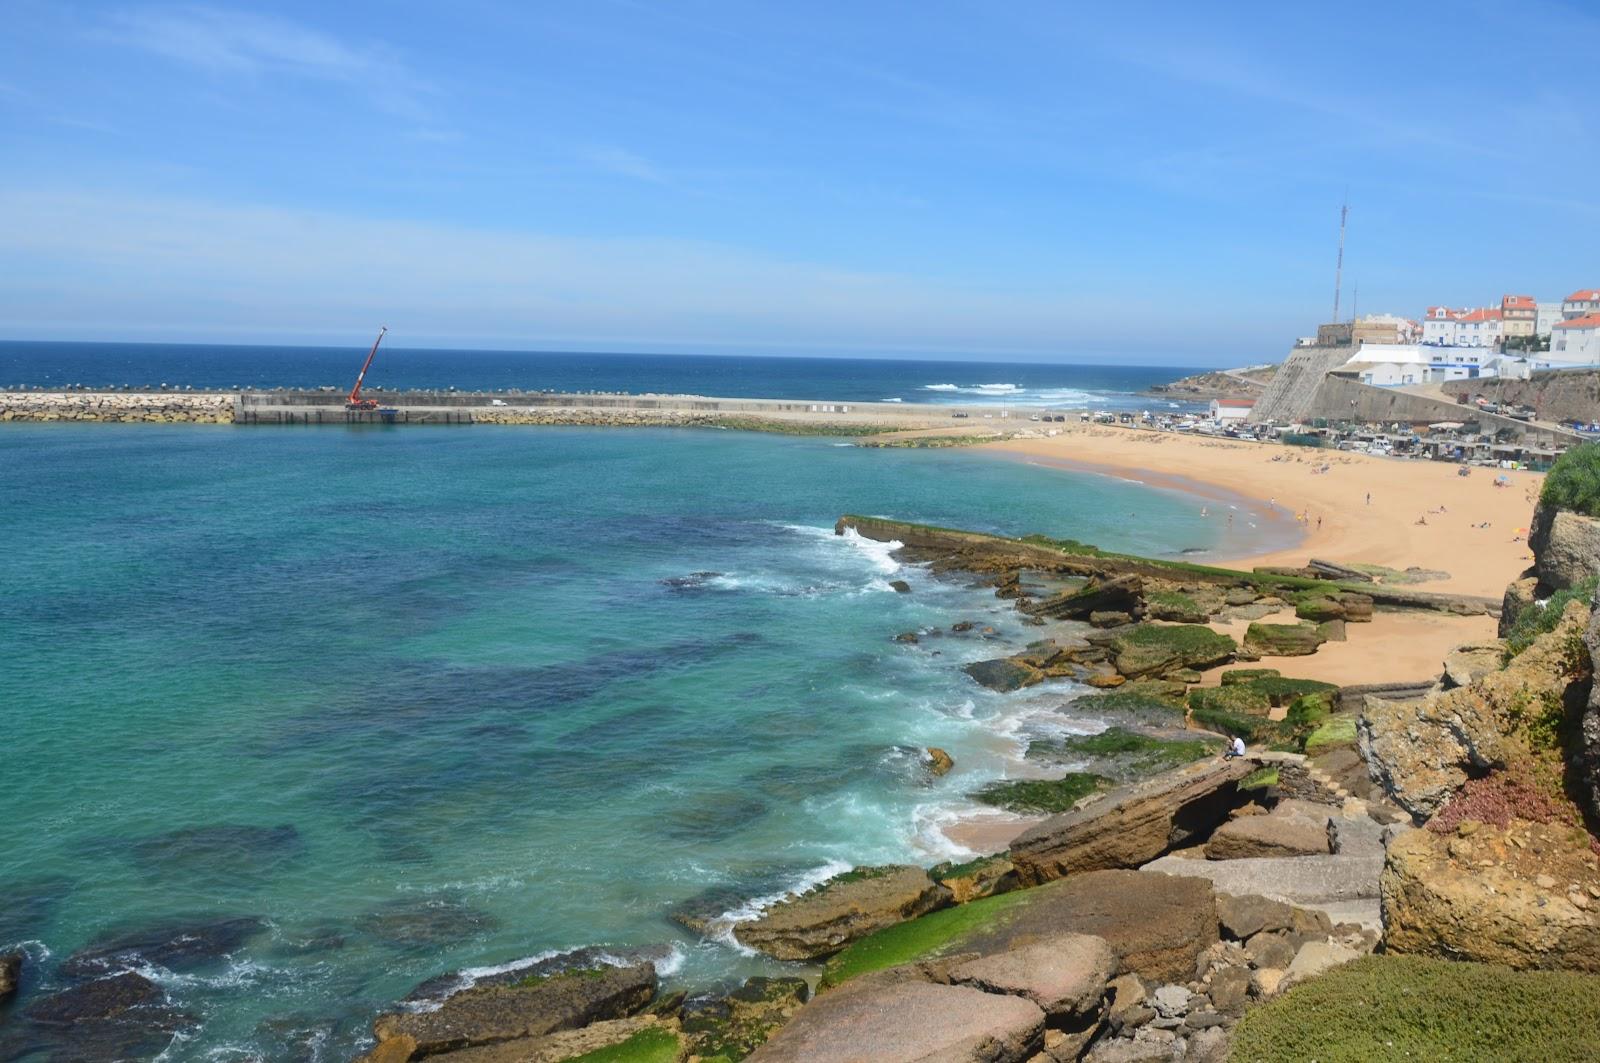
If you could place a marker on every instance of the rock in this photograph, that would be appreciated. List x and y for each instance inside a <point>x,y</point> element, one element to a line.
<point>1105,680</point>
<point>962,626</point>
<point>939,762</point>
<point>1565,547</point>
<point>1357,608</point>
<point>486,1015</point>
<point>1171,1001</point>
<point>1119,1050</point>
<point>1421,752</point>
<point>1282,640</point>
<point>1119,594</point>
<point>394,1050</point>
<point>1157,925</point>
<point>1230,986</point>
<point>1270,949</point>
<point>10,975</point>
<point>178,945</point>
<point>1297,880</point>
<point>1356,836</point>
<point>1156,649</point>
<point>1127,1000</point>
<point>909,638</point>
<point>1478,907</point>
<point>1266,982</point>
<point>219,851</point>
<point>1468,663</point>
<point>1275,835</point>
<point>606,1040</point>
<point>1314,958</point>
<point>425,922</point>
<point>1520,593</point>
<point>1333,631</point>
<point>906,1022</point>
<point>1242,917</point>
<point>1208,1046</point>
<point>900,586</point>
<point>1319,609</point>
<point>819,923</point>
<point>1066,1046</point>
<point>1586,758</point>
<point>745,1018</point>
<point>976,879</point>
<point>1109,619</point>
<point>1065,976</point>
<point>1004,674</point>
<point>1131,824</point>
<point>122,1016</point>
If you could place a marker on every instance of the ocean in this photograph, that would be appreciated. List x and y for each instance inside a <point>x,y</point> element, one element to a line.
<point>100,365</point>
<point>339,710</point>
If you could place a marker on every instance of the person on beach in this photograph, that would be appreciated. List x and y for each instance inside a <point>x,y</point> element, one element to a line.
<point>1369,498</point>
<point>1235,748</point>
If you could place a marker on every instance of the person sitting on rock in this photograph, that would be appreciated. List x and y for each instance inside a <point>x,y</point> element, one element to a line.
<point>1235,748</point>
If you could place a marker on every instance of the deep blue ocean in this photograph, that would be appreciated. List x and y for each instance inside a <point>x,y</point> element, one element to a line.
<point>92,365</point>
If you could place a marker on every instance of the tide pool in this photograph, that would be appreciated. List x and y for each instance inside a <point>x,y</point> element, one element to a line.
<point>402,701</point>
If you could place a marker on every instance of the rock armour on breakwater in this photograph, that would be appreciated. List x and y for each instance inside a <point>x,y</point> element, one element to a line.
<point>160,407</point>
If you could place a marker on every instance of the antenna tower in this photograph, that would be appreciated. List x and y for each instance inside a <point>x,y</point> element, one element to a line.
<point>1338,271</point>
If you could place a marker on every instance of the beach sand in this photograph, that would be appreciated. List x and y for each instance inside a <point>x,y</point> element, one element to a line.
<point>1395,646</point>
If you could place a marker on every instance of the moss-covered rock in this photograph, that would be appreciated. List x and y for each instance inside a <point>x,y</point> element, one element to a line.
<point>1041,796</point>
<point>1319,609</point>
<point>1247,675</point>
<point>1240,699</point>
<point>1125,754</point>
<point>1157,649</point>
<point>1175,606</point>
<point>1282,640</point>
<point>1005,674</point>
<point>976,879</point>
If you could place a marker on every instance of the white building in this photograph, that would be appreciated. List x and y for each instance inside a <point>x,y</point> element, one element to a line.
<point>1575,341</point>
<point>1393,365</point>
<point>1545,319</point>
<point>1581,303</point>
<point>1231,411</point>
<point>1444,327</point>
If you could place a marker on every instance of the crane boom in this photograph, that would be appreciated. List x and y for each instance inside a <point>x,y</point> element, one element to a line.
<point>355,401</point>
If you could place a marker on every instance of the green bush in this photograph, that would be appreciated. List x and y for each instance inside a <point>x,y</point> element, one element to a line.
<point>1409,1007</point>
<point>1573,482</point>
<point>1537,619</point>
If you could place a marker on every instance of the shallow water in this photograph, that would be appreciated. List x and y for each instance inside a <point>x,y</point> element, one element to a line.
<point>431,699</point>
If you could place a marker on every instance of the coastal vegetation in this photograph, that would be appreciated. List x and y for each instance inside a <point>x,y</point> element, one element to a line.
<point>1410,1007</point>
<point>1042,796</point>
<point>918,938</point>
<point>1573,482</point>
<point>1537,618</point>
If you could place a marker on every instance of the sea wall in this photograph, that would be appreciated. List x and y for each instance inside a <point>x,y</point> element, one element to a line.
<point>1342,399</point>
<point>1558,395</point>
<point>1294,387</point>
<point>208,407</point>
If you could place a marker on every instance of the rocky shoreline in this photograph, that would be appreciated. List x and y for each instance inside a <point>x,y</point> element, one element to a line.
<point>1171,904</point>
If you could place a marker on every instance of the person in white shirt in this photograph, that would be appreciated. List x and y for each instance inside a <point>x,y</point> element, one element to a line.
<point>1235,749</point>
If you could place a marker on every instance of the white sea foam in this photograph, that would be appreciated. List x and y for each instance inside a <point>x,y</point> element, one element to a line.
<point>892,400</point>
<point>721,928</point>
<point>997,389</point>
<point>941,387</point>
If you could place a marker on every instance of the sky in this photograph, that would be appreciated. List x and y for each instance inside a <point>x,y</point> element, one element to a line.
<point>1053,181</point>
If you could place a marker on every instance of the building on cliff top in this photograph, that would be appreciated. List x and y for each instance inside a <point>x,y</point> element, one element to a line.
<point>1576,341</point>
<point>1581,303</point>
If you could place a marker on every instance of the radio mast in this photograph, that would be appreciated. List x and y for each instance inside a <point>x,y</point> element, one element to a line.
<point>1338,271</point>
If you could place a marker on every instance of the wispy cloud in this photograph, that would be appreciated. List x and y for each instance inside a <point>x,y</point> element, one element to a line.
<point>241,44</point>
<point>623,163</point>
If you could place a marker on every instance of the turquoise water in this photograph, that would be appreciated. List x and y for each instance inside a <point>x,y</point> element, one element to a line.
<point>429,699</point>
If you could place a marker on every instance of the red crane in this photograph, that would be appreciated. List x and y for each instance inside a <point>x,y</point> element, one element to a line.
<point>355,401</point>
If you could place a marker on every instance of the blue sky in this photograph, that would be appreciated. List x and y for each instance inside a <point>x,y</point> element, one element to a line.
<point>1055,181</point>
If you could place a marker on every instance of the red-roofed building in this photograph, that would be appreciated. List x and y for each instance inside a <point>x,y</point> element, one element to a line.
<point>1581,303</point>
<point>1444,327</point>
<point>1576,341</point>
<point>1518,315</point>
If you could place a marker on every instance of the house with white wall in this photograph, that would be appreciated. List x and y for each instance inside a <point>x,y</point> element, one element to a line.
<point>1445,327</point>
<point>1231,411</point>
<point>1575,341</point>
<point>1581,303</point>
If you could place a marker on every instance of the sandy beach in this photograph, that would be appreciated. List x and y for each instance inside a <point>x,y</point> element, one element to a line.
<point>1342,524</point>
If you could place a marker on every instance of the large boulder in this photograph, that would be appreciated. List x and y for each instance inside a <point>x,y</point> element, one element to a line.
<point>1422,751</point>
<point>1120,594</point>
<point>10,975</point>
<point>1274,835</point>
<point>820,922</point>
<point>909,1022</point>
<point>1301,880</point>
<point>1522,896</point>
<point>1282,640</point>
<point>1470,662</point>
<point>1004,674</point>
<point>537,1006</point>
<point>1158,649</point>
<point>733,1026</point>
<point>1565,546</point>
<point>1065,975</point>
<point>611,1039</point>
<point>1132,824</point>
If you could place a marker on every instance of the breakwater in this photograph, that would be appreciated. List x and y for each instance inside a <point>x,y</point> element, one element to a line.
<point>456,407</point>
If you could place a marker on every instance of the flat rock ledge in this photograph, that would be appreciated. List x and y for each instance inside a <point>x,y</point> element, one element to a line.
<point>845,909</point>
<point>909,1022</point>
<point>1131,825</point>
